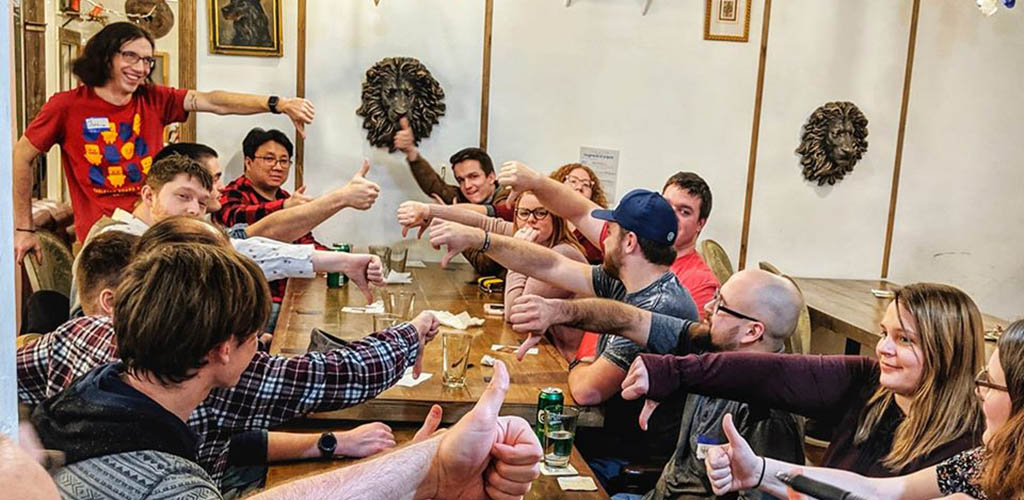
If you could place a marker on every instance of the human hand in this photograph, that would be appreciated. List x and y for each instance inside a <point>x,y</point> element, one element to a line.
<point>26,243</point>
<point>457,237</point>
<point>519,178</point>
<point>635,385</point>
<point>430,424</point>
<point>527,233</point>
<point>361,193</point>
<point>413,214</point>
<point>405,140</point>
<point>364,269</point>
<point>365,440</point>
<point>426,325</point>
<point>297,198</point>
<point>732,466</point>
<point>484,455</point>
<point>300,111</point>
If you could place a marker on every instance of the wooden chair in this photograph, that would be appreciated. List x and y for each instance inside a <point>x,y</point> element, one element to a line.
<point>716,258</point>
<point>767,266</point>
<point>54,273</point>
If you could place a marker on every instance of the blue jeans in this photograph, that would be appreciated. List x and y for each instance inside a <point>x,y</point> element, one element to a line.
<point>627,496</point>
<point>606,468</point>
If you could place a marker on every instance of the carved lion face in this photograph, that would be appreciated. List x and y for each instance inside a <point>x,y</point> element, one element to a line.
<point>396,87</point>
<point>833,140</point>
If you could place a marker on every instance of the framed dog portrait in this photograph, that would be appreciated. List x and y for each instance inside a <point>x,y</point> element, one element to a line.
<point>246,27</point>
<point>727,20</point>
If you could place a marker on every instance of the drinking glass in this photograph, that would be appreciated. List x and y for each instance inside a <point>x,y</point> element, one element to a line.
<point>454,357</point>
<point>384,252</point>
<point>399,303</point>
<point>398,258</point>
<point>559,431</point>
<point>384,321</point>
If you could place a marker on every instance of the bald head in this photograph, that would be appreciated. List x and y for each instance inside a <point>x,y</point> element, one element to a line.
<point>772,299</point>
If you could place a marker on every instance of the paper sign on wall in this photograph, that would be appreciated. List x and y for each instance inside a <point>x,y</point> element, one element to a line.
<point>605,163</point>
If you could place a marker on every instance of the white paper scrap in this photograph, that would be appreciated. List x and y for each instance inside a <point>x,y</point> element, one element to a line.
<point>375,308</point>
<point>419,264</point>
<point>512,349</point>
<point>461,321</point>
<point>397,278</point>
<point>408,381</point>
<point>577,483</point>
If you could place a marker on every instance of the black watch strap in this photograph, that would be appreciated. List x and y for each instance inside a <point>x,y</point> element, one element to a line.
<point>272,104</point>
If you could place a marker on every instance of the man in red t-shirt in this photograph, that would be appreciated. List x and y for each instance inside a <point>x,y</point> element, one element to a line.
<point>111,126</point>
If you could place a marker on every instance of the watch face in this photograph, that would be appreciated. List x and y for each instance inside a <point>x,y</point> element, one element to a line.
<point>327,443</point>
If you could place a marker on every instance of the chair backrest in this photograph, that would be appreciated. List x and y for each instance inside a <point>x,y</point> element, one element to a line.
<point>54,272</point>
<point>767,266</point>
<point>800,341</point>
<point>716,259</point>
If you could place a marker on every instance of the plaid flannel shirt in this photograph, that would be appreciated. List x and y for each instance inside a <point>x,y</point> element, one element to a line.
<point>272,390</point>
<point>241,204</point>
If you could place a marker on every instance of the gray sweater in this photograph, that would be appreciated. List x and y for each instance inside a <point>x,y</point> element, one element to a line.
<point>135,475</point>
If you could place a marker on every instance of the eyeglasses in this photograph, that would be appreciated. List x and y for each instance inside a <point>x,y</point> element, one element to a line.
<point>270,160</point>
<point>132,58</point>
<point>538,213</point>
<point>983,383</point>
<point>577,182</point>
<point>718,306</point>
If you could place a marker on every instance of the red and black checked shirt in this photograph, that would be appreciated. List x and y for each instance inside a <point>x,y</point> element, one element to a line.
<point>241,204</point>
<point>272,390</point>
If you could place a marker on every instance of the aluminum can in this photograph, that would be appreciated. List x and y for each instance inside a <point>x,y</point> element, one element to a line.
<point>551,398</point>
<point>338,280</point>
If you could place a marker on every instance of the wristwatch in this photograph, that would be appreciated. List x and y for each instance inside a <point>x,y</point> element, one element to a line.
<point>327,444</point>
<point>272,104</point>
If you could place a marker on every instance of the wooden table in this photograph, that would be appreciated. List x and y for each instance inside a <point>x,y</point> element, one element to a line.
<point>308,303</point>
<point>545,487</point>
<point>848,308</point>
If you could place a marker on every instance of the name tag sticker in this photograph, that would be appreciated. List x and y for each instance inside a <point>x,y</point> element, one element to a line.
<point>96,124</point>
<point>704,444</point>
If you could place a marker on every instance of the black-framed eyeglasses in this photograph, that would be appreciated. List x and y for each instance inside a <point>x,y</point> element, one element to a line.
<point>718,306</point>
<point>270,160</point>
<point>577,182</point>
<point>132,58</point>
<point>538,213</point>
<point>984,383</point>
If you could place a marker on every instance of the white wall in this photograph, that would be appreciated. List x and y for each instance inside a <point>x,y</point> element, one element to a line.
<point>600,74</point>
<point>959,218</point>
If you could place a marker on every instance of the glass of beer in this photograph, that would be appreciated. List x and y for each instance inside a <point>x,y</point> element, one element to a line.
<point>559,431</point>
<point>399,256</point>
<point>454,357</point>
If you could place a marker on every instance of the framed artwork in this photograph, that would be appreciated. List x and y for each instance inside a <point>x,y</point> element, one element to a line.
<point>162,69</point>
<point>727,20</point>
<point>245,27</point>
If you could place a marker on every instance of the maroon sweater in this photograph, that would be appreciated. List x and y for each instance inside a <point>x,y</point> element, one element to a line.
<point>830,389</point>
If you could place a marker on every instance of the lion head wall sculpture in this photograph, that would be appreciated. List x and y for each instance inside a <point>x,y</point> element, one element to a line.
<point>396,87</point>
<point>833,140</point>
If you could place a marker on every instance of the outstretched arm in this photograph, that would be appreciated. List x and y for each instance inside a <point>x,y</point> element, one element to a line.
<point>533,313</point>
<point>221,102</point>
<point>559,198</point>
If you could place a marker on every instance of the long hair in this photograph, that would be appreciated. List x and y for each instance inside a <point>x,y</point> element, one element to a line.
<point>560,232</point>
<point>1003,475</point>
<point>93,67</point>
<point>596,193</point>
<point>944,407</point>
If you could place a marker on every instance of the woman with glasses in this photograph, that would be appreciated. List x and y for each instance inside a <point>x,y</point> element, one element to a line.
<point>111,126</point>
<point>994,470</point>
<point>533,223</point>
<point>585,182</point>
<point>912,407</point>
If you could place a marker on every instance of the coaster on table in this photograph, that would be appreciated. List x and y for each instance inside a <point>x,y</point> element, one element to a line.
<point>568,470</point>
<point>415,263</point>
<point>375,308</point>
<point>397,278</point>
<point>577,483</point>
<point>408,381</point>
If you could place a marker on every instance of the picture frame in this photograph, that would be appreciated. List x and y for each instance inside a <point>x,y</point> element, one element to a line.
<point>246,27</point>
<point>162,68</point>
<point>727,20</point>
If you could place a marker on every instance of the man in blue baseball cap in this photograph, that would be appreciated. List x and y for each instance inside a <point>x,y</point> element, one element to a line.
<point>638,253</point>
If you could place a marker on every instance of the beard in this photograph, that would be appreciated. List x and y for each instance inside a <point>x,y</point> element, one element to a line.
<point>611,265</point>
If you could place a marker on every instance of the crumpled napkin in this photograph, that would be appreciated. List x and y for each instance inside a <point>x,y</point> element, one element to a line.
<point>461,321</point>
<point>397,278</point>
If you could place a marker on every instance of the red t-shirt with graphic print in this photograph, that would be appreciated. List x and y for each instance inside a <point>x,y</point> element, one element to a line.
<point>106,150</point>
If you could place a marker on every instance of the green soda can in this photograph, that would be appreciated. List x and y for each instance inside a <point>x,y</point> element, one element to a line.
<point>550,398</point>
<point>338,280</point>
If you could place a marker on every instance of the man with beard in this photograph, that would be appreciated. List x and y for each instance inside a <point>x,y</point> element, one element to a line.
<point>754,311</point>
<point>638,253</point>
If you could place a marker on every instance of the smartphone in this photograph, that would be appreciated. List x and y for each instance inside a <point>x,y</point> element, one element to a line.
<point>494,309</point>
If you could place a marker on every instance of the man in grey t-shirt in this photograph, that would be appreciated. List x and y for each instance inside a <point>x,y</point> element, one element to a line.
<point>637,254</point>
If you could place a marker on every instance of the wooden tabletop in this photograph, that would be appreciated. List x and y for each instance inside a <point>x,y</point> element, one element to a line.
<point>545,487</point>
<point>308,303</point>
<point>848,307</point>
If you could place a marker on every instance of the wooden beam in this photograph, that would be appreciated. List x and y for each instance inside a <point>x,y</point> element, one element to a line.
<point>485,80</point>
<point>900,135</point>
<point>187,60</point>
<point>300,91</point>
<point>754,132</point>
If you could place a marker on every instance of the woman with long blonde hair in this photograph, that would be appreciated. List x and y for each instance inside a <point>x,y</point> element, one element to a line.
<point>995,470</point>
<point>533,223</point>
<point>911,408</point>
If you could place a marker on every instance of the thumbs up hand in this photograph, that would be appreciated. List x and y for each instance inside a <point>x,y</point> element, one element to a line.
<point>405,140</point>
<point>733,466</point>
<point>360,193</point>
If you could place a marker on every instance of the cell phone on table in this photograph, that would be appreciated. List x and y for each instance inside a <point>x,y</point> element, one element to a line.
<point>494,309</point>
<point>817,489</point>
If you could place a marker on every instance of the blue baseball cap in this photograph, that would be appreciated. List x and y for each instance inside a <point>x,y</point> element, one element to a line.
<point>645,213</point>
